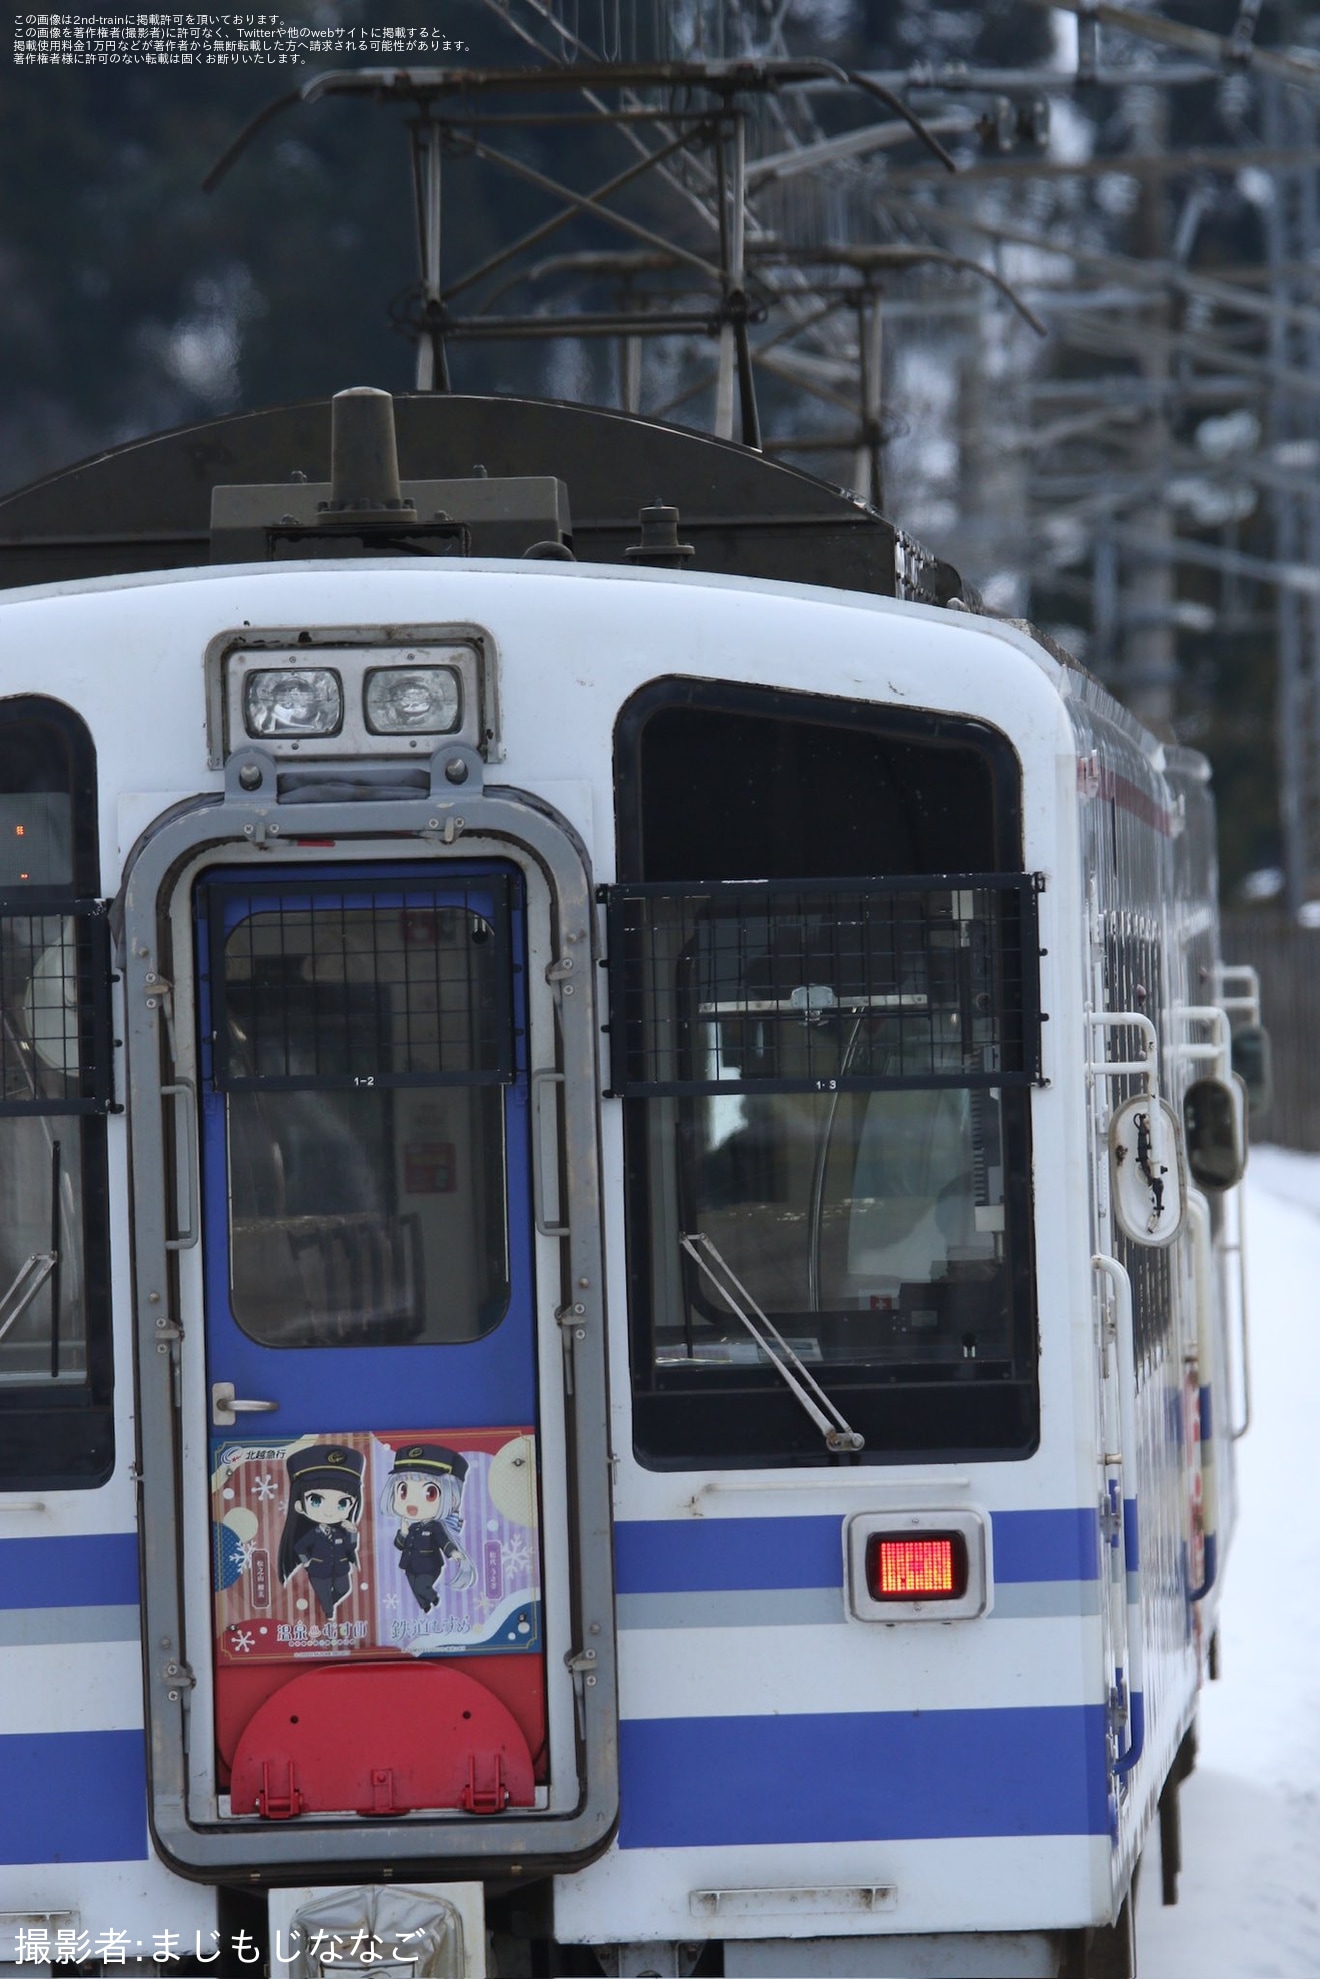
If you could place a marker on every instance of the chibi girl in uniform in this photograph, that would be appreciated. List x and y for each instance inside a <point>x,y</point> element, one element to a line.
<point>425,1494</point>
<point>320,1527</point>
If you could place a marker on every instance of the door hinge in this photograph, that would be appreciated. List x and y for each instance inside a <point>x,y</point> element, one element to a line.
<point>581,1664</point>
<point>180,1678</point>
<point>160,996</point>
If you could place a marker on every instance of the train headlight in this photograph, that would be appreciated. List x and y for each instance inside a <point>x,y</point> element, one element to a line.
<point>293,701</point>
<point>413,701</point>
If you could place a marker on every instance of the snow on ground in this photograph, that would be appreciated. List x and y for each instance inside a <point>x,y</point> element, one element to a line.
<point>1249,1898</point>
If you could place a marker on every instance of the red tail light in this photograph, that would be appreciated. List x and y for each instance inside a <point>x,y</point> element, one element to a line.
<point>928,1566</point>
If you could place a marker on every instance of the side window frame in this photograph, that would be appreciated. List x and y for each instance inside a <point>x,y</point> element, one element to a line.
<point>59,1434</point>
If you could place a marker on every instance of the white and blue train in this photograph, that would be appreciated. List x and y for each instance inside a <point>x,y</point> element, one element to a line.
<point>619,1314</point>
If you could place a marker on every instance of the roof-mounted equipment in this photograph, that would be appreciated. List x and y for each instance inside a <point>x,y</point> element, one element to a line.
<point>367,511</point>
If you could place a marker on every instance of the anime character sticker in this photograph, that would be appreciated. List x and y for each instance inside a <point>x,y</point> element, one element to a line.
<point>425,1494</point>
<point>320,1527</point>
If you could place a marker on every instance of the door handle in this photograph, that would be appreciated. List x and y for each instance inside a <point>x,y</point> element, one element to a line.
<point>226,1407</point>
<point>185,1142</point>
<point>540,1080</point>
<point>1133,1681</point>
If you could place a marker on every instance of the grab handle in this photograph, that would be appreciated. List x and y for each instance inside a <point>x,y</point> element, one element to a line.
<point>1129,1536</point>
<point>540,1080</point>
<point>1235,1247</point>
<point>186,1134</point>
<point>1207,1400</point>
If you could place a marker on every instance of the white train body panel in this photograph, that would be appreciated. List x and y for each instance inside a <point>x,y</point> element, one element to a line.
<point>786,1771</point>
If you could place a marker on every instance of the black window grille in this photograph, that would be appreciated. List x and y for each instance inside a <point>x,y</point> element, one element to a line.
<point>56,1086</point>
<point>55,1038</point>
<point>824,985</point>
<point>323,985</point>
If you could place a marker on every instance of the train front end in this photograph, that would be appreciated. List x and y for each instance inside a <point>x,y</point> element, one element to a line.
<point>555,1375</point>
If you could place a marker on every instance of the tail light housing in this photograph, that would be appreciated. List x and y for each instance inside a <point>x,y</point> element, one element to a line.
<point>917,1566</point>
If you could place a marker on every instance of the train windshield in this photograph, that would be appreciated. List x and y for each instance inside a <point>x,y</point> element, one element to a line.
<point>826,1085</point>
<point>873,1222</point>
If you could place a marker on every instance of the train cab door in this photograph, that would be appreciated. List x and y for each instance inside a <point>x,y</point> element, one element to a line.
<point>370,1336</point>
<point>377,1570</point>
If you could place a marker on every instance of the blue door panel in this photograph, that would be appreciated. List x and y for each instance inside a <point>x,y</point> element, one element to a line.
<point>489,1381</point>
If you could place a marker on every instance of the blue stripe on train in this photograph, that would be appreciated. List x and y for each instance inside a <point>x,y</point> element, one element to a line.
<point>73,1797</point>
<point>669,1556</point>
<point>862,1776</point>
<point>91,1570</point>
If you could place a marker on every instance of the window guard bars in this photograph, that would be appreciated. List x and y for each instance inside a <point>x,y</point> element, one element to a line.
<point>756,987</point>
<point>324,984</point>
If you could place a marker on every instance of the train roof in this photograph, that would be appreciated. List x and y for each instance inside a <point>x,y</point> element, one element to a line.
<point>149,505</point>
<point>515,478</point>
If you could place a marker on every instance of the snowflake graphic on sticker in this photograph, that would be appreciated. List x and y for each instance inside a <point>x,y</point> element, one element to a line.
<point>515,1557</point>
<point>263,1487</point>
<point>227,1557</point>
<point>241,1641</point>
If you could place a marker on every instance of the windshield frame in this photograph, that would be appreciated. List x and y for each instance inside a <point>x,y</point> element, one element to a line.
<point>680,793</point>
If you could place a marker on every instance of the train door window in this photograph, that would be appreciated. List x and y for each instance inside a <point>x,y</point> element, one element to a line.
<point>824,1025</point>
<point>55,1089</point>
<point>361,1042</point>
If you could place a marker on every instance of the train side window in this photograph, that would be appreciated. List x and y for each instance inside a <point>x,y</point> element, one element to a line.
<point>55,1089</point>
<point>824,1027</point>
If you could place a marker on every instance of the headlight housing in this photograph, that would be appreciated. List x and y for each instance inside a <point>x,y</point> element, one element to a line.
<point>413,700</point>
<point>293,701</point>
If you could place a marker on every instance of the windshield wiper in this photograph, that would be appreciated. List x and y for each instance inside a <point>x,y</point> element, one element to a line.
<point>32,1275</point>
<point>839,1434</point>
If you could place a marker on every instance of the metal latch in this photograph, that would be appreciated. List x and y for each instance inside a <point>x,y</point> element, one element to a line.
<point>278,1802</point>
<point>1111,1514</point>
<point>491,1798</point>
<point>1118,1711</point>
<point>383,1798</point>
<point>571,1330</point>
